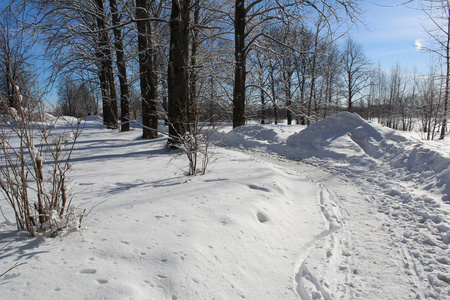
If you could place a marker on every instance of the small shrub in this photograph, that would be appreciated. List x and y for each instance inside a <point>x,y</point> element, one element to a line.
<point>34,161</point>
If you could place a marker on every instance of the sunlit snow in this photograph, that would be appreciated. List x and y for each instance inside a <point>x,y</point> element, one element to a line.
<point>343,209</point>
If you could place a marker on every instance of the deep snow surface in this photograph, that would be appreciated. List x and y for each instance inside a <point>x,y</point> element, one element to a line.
<point>344,209</point>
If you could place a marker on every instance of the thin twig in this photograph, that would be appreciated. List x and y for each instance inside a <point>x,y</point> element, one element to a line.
<point>13,267</point>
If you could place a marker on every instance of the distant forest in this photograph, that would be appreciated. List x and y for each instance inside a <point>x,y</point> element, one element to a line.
<point>208,61</point>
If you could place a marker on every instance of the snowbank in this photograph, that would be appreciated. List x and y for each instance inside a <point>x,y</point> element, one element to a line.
<point>347,138</point>
<point>341,136</point>
<point>407,180</point>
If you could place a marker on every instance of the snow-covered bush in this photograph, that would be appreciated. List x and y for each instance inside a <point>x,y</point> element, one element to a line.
<point>34,161</point>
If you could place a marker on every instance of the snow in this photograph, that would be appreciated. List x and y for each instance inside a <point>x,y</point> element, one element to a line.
<point>343,209</point>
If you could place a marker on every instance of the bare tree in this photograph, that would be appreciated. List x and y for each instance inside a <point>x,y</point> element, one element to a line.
<point>106,73</point>
<point>14,59</point>
<point>121,67</point>
<point>147,69</point>
<point>356,71</point>
<point>76,98</point>
<point>249,14</point>
<point>438,12</point>
<point>178,78</point>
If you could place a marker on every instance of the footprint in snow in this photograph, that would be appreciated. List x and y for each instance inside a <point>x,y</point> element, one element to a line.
<point>88,271</point>
<point>258,188</point>
<point>102,281</point>
<point>262,218</point>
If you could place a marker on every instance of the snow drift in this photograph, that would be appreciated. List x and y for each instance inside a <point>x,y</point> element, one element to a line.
<point>352,141</point>
<point>406,179</point>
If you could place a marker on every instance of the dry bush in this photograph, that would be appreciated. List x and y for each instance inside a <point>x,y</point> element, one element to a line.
<point>34,161</point>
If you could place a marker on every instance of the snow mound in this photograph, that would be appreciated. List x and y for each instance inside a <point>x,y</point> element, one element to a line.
<point>341,136</point>
<point>356,144</point>
<point>251,136</point>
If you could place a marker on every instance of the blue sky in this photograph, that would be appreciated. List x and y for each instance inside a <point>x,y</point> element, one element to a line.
<point>389,35</point>
<point>392,33</point>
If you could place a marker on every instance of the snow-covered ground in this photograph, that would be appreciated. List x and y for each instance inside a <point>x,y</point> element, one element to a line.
<point>343,209</point>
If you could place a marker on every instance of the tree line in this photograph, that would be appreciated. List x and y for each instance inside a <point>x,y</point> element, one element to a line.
<point>186,61</point>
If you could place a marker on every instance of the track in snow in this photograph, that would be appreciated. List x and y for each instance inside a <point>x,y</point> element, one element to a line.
<point>360,255</point>
<point>309,286</point>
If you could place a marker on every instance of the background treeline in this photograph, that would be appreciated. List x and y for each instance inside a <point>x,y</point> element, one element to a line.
<point>215,61</point>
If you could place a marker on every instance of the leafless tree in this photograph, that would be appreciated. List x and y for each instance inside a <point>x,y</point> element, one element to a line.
<point>76,98</point>
<point>248,15</point>
<point>121,66</point>
<point>438,12</point>
<point>356,71</point>
<point>15,58</point>
<point>147,68</point>
<point>178,76</point>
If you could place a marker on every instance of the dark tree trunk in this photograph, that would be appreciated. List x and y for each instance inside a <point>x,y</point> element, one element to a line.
<point>349,95</point>
<point>447,80</point>
<point>239,68</point>
<point>262,109</point>
<point>274,99</point>
<point>178,85</point>
<point>106,71</point>
<point>288,97</point>
<point>121,67</point>
<point>147,74</point>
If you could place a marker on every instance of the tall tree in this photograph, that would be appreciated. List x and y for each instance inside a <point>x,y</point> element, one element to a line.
<point>178,79</point>
<point>356,70</point>
<point>14,59</point>
<point>438,12</point>
<point>106,73</point>
<point>147,69</point>
<point>249,14</point>
<point>121,67</point>
<point>240,54</point>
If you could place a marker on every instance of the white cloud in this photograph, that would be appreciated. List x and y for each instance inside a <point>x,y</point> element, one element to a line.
<point>418,44</point>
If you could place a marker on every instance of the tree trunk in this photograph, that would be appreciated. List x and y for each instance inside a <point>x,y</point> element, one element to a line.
<point>349,94</point>
<point>193,95</point>
<point>274,99</point>
<point>239,68</point>
<point>447,78</point>
<point>313,78</point>
<point>262,109</point>
<point>106,71</point>
<point>288,97</point>
<point>178,72</point>
<point>121,67</point>
<point>147,74</point>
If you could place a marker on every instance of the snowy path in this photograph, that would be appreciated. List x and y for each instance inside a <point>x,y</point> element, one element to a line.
<point>394,196</point>
<point>363,255</point>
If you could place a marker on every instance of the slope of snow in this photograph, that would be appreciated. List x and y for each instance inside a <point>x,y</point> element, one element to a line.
<point>405,179</point>
<point>343,209</point>
<point>155,233</point>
